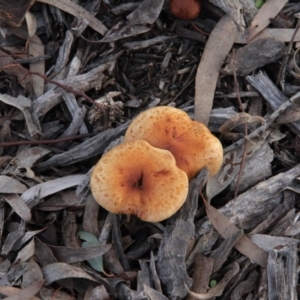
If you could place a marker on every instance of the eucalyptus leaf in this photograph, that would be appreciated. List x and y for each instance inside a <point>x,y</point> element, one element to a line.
<point>91,240</point>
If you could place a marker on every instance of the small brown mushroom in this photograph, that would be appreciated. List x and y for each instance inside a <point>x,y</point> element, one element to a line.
<point>185,9</point>
<point>191,143</point>
<point>136,178</point>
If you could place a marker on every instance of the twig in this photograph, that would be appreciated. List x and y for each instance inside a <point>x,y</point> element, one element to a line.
<point>260,130</point>
<point>43,142</point>
<point>8,115</point>
<point>65,87</point>
<point>90,41</point>
<point>199,30</point>
<point>281,75</point>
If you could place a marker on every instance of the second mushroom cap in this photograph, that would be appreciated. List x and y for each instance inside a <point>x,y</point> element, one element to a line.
<point>191,142</point>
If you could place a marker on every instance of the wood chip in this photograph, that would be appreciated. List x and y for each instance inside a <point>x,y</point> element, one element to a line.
<point>279,34</point>
<point>170,260</point>
<point>250,208</point>
<point>244,245</point>
<point>268,11</point>
<point>246,59</point>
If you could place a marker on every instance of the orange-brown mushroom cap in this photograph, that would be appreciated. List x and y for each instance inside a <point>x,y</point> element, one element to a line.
<point>136,178</point>
<point>185,9</point>
<point>191,142</point>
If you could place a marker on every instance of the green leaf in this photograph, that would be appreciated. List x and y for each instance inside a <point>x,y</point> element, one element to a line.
<point>259,3</point>
<point>90,240</point>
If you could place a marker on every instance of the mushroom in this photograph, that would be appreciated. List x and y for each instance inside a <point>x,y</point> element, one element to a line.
<point>191,142</point>
<point>136,178</point>
<point>185,9</point>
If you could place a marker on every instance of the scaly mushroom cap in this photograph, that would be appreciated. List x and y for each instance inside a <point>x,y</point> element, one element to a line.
<point>136,178</point>
<point>191,143</point>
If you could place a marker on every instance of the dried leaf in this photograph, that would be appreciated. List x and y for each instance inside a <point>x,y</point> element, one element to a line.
<point>237,120</point>
<point>146,13</point>
<point>61,201</point>
<point>52,294</point>
<point>32,273</point>
<point>26,252</point>
<point>18,205</point>
<point>13,291</point>
<point>23,104</point>
<point>212,59</point>
<point>221,254</point>
<point>72,255</point>
<point>98,293</point>
<point>140,45</point>
<point>10,185</point>
<point>25,238</point>
<point>152,294</point>
<point>202,271</point>
<point>218,289</point>
<point>122,31</point>
<point>28,293</point>
<point>57,271</point>
<point>43,253</point>
<point>76,10</point>
<point>262,19</point>
<point>36,48</point>
<point>15,69</point>
<point>204,245</point>
<point>226,229</point>
<point>51,187</point>
<point>31,24</point>
<point>90,221</point>
<point>294,229</point>
<point>289,116</point>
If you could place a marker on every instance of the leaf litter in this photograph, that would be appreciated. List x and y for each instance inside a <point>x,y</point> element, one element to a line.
<point>226,69</point>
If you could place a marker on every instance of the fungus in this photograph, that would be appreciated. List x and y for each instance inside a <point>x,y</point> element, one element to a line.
<point>185,9</point>
<point>136,178</point>
<point>191,142</point>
